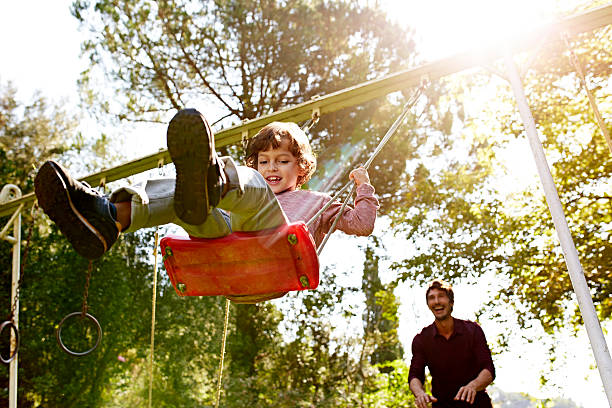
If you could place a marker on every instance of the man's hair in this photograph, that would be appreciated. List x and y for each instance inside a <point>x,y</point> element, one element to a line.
<point>271,136</point>
<point>443,286</point>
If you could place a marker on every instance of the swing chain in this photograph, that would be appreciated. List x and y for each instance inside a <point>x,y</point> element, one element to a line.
<point>83,315</point>
<point>160,167</point>
<point>314,119</point>
<point>86,290</point>
<point>102,186</point>
<point>583,82</point>
<point>26,251</point>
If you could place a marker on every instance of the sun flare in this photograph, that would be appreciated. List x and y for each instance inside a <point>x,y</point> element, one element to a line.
<point>445,27</point>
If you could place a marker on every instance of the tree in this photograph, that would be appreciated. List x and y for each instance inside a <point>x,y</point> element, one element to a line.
<point>380,317</point>
<point>312,367</point>
<point>53,285</point>
<point>392,387</point>
<point>582,168</point>
<point>241,60</point>
<point>247,59</point>
<point>29,134</point>
<point>463,224</point>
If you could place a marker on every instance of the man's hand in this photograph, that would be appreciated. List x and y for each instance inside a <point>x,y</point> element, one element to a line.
<point>466,393</point>
<point>424,400</point>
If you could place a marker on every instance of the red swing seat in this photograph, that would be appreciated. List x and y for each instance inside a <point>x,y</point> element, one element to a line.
<point>243,263</point>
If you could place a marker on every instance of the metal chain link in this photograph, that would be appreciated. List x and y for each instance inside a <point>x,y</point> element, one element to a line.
<point>86,291</point>
<point>310,123</point>
<point>26,251</point>
<point>583,82</point>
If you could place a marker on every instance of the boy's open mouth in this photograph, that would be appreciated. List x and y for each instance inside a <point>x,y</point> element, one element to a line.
<point>273,179</point>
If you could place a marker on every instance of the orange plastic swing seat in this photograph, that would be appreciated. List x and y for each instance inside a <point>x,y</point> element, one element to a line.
<point>243,263</point>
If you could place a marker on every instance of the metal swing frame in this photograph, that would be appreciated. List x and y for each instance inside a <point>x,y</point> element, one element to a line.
<point>359,94</point>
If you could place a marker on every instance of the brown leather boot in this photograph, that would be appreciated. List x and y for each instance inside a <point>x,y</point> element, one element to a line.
<point>199,172</point>
<point>85,217</point>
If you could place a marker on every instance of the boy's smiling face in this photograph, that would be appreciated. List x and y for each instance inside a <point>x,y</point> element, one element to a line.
<point>279,167</point>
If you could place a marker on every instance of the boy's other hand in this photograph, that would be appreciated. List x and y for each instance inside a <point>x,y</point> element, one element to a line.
<point>360,176</point>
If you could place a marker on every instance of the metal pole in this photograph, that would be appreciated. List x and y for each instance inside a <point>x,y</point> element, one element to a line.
<point>585,302</point>
<point>16,266</point>
<point>7,191</point>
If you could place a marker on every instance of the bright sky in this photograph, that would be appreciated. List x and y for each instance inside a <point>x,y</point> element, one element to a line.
<point>40,51</point>
<point>447,27</point>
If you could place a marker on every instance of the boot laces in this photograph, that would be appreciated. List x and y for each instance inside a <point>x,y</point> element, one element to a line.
<point>91,189</point>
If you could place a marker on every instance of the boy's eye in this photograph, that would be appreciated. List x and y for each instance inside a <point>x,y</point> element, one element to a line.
<point>284,161</point>
<point>262,162</point>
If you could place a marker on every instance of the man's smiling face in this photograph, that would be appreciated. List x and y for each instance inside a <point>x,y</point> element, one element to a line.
<point>439,304</point>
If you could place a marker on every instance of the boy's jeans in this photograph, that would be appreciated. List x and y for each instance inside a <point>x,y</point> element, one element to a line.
<point>251,204</point>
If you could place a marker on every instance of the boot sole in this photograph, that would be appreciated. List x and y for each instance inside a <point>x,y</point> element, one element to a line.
<point>192,155</point>
<point>54,199</point>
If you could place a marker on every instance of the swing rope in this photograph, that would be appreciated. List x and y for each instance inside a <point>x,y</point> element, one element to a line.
<point>221,357</point>
<point>153,304</point>
<point>579,69</point>
<point>415,96</point>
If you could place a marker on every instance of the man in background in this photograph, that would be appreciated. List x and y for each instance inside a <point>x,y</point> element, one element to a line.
<point>456,353</point>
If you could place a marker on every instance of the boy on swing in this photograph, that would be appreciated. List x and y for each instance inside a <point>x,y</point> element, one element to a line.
<point>211,196</point>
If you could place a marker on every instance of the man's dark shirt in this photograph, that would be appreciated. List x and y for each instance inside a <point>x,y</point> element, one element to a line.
<point>452,363</point>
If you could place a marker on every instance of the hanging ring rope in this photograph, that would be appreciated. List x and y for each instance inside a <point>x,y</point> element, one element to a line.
<point>220,374</point>
<point>10,322</point>
<point>415,96</point>
<point>83,315</point>
<point>153,303</point>
<point>579,69</point>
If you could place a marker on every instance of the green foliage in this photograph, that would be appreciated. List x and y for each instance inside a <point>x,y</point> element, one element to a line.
<point>30,133</point>
<point>463,222</point>
<point>52,287</point>
<point>380,317</point>
<point>392,387</point>
<point>438,182</point>
<point>248,57</point>
<point>582,170</point>
<point>309,367</point>
<point>241,60</point>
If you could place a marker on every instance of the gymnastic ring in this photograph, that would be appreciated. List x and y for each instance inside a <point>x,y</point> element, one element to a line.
<point>11,325</point>
<point>58,334</point>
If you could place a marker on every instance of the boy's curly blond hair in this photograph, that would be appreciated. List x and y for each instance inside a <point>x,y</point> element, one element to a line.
<point>271,136</point>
